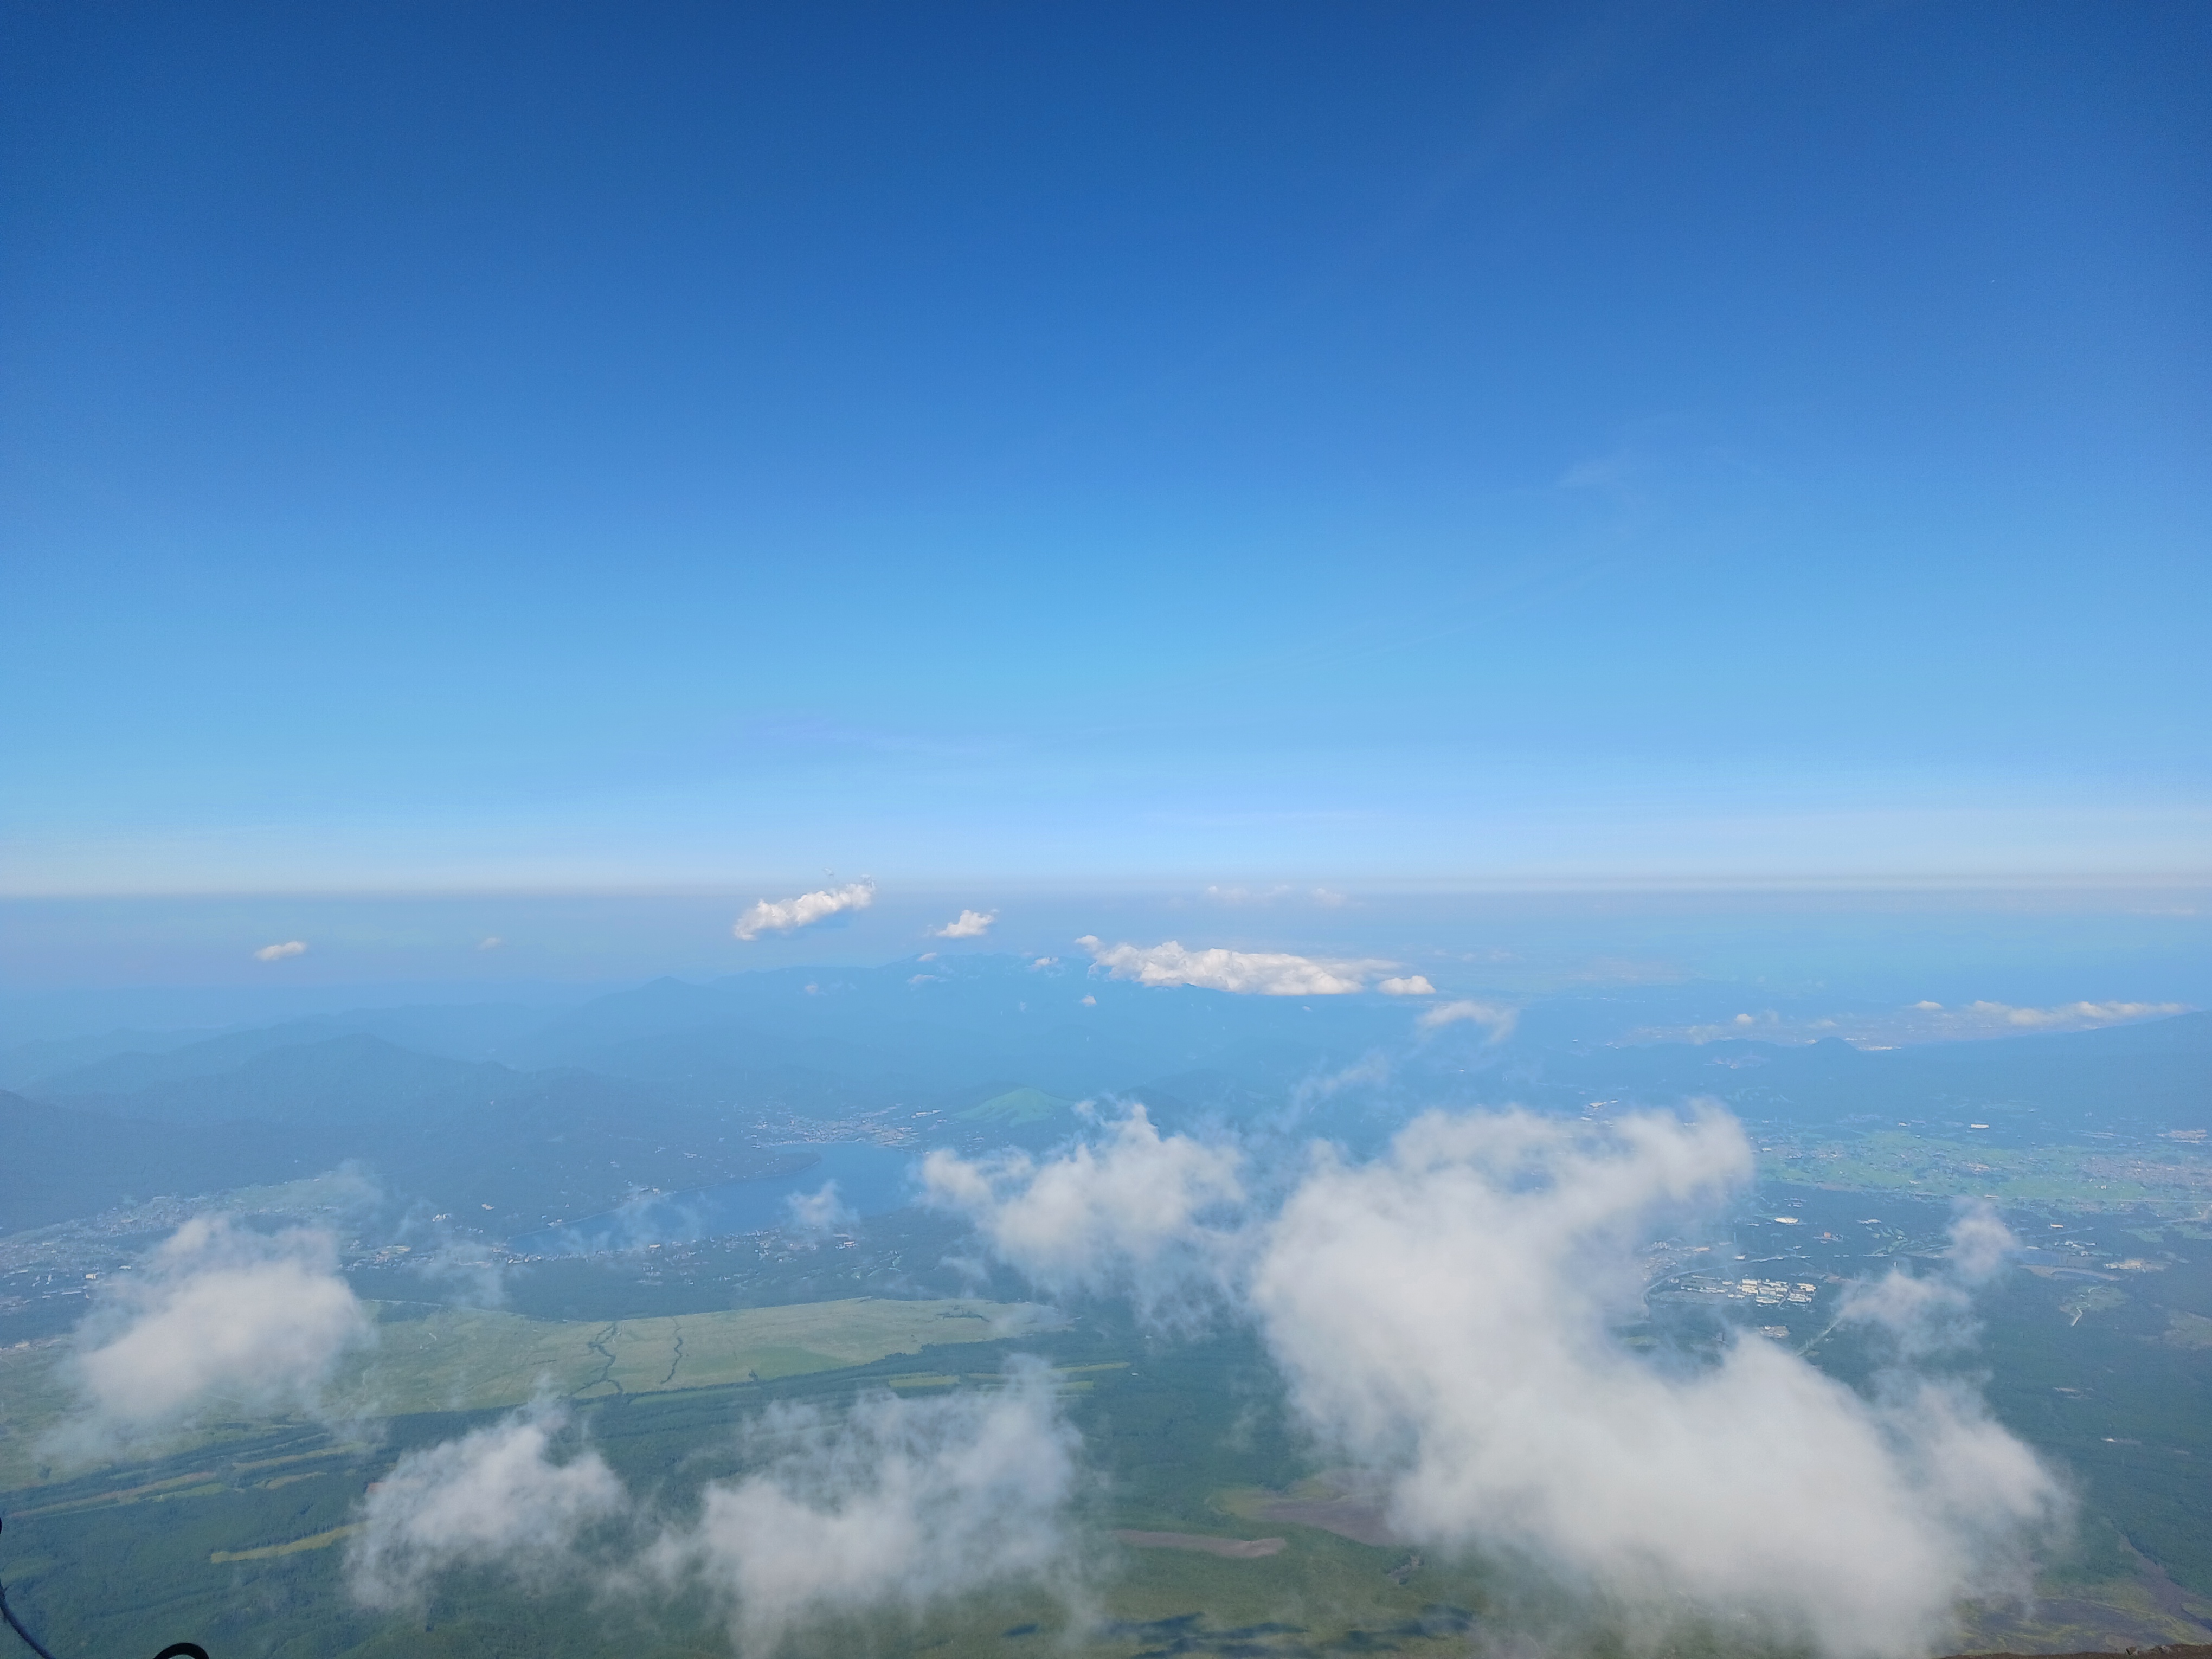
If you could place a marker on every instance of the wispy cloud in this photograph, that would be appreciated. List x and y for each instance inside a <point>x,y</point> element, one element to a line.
<point>1494,1018</point>
<point>969,924</point>
<point>1280,892</point>
<point>290,947</point>
<point>788,915</point>
<point>1251,973</point>
<point>819,1213</point>
<point>216,1318</point>
<point>1923,1022</point>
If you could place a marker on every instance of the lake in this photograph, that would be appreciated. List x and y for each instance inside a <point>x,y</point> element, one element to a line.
<point>871,1180</point>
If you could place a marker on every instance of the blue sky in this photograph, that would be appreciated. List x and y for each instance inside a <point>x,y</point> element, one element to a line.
<point>605,447</point>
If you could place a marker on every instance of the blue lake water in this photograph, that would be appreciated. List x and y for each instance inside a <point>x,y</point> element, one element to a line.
<point>870,1181</point>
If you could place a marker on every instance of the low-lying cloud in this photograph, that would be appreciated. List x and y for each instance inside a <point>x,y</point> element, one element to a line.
<point>789,915</point>
<point>902,1504</point>
<point>1249,973</point>
<point>1139,1211</point>
<point>1922,1022</point>
<point>217,1317</point>
<point>1444,1315</point>
<point>290,947</point>
<point>896,1503</point>
<point>1495,1019</point>
<point>969,924</point>
<point>497,1497</point>
<point>2067,1016</point>
<point>819,1213</point>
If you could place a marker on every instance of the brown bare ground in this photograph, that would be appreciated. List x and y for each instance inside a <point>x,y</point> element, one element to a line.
<point>1356,1518</point>
<point>1239,1549</point>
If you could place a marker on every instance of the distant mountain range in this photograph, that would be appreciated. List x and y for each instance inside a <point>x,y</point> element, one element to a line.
<point>512,1118</point>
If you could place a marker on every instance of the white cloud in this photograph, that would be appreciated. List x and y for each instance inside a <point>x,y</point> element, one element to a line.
<point>1923,1313</point>
<point>1327,898</point>
<point>1252,973</point>
<point>494,1498</point>
<point>818,1214</point>
<point>1443,1316</point>
<point>2073,1015</point>
<point>969,924</point>
<point>1925,1022</point>
<point>1372,1071</point>
<point>788,915</point>
<point>1495,1017</point>
<point>1217,894</point>
<point>902,1504</point>
<point>1130,1214</point>
<point>896,1503</point>
<point>1412,985</point>
<point>278,952</point>
<point>215,1318</point>
<point>490,942</point>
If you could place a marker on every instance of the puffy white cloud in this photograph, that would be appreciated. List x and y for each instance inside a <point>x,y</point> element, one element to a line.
<point>494,1498</point>
<point>1132,1213</point>
<point>788,915</point>
<point>217,1317</point>
<point>1411,985</point>
<point>1251,973</point>
<point>490,942</point>
<point>1497,1019</point>
<point>901,1503</point>
<point>291,947</point>
<point>969,924</point>
<point>1443,1316</point>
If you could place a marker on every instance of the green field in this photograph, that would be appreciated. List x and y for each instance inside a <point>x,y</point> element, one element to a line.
<point>237,1543</point>
<point>2175,1181</point>
<point>237,1539</point>
<point>464,1360</point>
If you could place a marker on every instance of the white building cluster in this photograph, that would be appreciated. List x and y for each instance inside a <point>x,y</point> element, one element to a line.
<point>1765,1292</point>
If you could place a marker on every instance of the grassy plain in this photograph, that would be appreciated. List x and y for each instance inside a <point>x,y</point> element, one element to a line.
<point>462,1359</point>
<point>239,1545</point>
<point>468,1360</point>
<point>238,1542</point>
<point>2175,1181</point>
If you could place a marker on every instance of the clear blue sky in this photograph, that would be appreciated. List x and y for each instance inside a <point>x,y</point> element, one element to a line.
<point>490,445</point>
